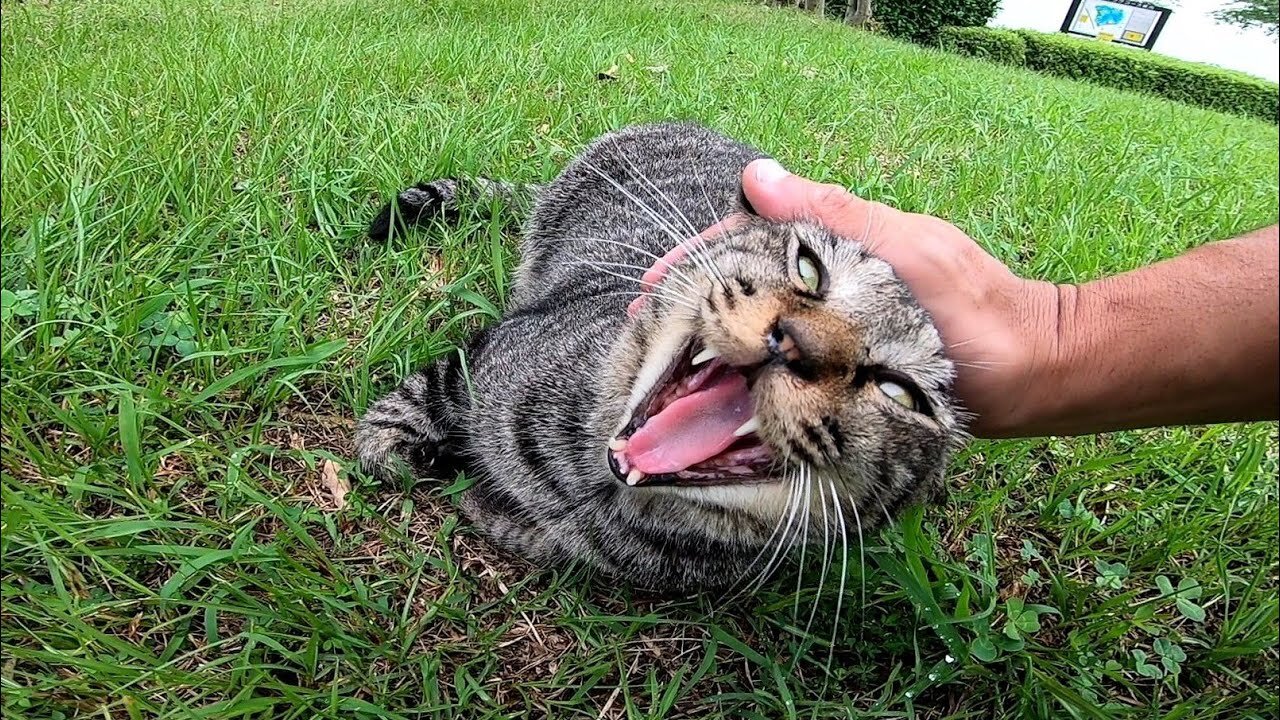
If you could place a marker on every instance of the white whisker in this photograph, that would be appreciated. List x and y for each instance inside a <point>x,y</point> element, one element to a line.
<point>636,293</point>
<point>844,569</point>
<point>600,264</point>
<point>702,260</point>
<point>658,220</point>
<point>826,557</point>
<point>760,553</point>
<point>792,506</point>
<point>635,173</point>
<point>628,246</point>
<point>807,475</point>
<point>862,556</point>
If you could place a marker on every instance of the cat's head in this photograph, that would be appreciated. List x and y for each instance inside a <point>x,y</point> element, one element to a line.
<point>776,368</point>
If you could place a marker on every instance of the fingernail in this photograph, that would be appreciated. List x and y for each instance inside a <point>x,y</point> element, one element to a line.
<point>769,171</point>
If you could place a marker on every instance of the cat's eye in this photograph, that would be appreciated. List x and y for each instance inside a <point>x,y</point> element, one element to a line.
<point>896,387</point>
<point>809,272</point>
<point>897,393</point>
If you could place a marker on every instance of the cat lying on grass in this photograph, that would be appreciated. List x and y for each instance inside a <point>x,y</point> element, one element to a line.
<point>778,385</point>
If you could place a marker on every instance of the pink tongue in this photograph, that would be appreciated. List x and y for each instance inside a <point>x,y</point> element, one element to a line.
<point>694,428</point>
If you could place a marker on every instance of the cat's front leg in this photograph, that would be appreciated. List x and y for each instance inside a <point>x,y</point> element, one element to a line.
<point>416,426</point>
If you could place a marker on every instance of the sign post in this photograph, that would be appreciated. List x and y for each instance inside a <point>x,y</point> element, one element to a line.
<point>1126,22</point>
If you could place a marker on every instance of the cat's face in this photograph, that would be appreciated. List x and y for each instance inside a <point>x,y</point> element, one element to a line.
<point>775,365</point>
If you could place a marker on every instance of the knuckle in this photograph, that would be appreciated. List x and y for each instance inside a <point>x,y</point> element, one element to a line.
<point>831,198</point>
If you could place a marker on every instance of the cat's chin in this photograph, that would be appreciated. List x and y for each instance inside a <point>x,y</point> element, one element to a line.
<point>695,427</point>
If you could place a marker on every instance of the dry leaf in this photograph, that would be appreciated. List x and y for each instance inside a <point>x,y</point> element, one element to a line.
<point>630,59</point>
<point>337,486</point>
<point>610,74</point>
<point>657,69</point>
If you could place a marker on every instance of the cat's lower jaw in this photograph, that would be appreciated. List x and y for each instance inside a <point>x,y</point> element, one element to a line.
<point>695,426</point>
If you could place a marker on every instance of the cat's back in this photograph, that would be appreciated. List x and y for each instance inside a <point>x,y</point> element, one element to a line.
<point>631,195</point>
<point>631,175</point>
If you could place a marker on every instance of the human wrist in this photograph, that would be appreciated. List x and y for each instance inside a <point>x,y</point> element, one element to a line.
<point>1042,340</point>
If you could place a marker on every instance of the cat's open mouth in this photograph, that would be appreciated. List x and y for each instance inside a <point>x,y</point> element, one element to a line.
<point>696,426</point>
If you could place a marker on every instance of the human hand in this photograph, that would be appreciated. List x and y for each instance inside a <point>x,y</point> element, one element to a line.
<point>999,329</point>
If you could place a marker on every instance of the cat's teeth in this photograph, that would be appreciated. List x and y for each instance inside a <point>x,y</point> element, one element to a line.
<point>617,445</point>
<point>634,477</point>
<point>705,355</point>
<point>748,427</point>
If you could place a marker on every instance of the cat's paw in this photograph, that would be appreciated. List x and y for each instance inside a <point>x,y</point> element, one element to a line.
<point>398,436</point>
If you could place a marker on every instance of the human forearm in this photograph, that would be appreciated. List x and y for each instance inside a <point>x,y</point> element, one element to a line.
<point>1186,341</point>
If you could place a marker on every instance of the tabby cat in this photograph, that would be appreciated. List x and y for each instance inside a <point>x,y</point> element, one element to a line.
<point>779,384</point>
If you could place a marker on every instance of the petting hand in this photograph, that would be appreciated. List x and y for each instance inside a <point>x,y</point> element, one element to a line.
<point>998,328</point>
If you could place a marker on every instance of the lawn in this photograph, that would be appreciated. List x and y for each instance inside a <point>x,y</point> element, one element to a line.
<point>192,318</point>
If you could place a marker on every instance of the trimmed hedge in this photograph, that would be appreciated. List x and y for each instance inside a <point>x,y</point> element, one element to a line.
<point>994,44</point>
<point>921,21</point>
<point>1123,68</point>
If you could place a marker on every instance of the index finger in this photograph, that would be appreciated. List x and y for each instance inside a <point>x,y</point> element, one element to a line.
<point>654,275</point>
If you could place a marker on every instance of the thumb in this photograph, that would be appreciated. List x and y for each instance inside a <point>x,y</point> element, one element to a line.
<point>776,194</point>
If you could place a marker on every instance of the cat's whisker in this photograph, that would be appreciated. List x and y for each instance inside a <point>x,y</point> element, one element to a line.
<point>637,293</point>
<point>665,226</point>
<point>575,260</point>
<point>862,557</point>
<point>887,517</point>
<point>760,553</point>
<point>671,268</point>
<point>692,302</point>
<point>826,557</point>
<point>711,208</point>
<point>979,365</point>
<point>781,468</point>
<point>695,251</point>
<point>621,276</point>
<point>637,174</point>
<point>601,264</point>
<point>844,569</point>
<point>866,231</point>
<point>807,476</point>
<point>696,254</point>
<point>658,220</point>
<point>619,243</point>
<point>784,540</point>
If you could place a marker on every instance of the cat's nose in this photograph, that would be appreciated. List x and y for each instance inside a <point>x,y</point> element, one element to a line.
<point>810,345</point>
<point>782,343</point>
<point>793,345</point>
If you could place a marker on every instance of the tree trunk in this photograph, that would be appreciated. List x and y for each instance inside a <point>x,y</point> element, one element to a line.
<point>857,12</point>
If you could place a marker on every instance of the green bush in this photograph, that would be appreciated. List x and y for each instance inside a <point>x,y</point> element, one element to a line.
<point>1131,69</point>
<point>1004,46</point>
<point>921,21</point>
<point>1119,67</point>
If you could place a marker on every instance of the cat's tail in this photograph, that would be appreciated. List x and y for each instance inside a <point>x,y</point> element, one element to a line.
<point>447,198</point>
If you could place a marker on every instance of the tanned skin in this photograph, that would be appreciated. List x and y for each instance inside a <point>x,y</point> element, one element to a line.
<point>1190,340</point>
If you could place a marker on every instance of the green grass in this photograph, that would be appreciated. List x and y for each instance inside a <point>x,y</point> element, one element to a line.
<point>192,319</point>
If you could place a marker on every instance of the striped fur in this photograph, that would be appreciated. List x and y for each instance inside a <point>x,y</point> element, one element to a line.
<point>552,382</point>
<point>446,198</point>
